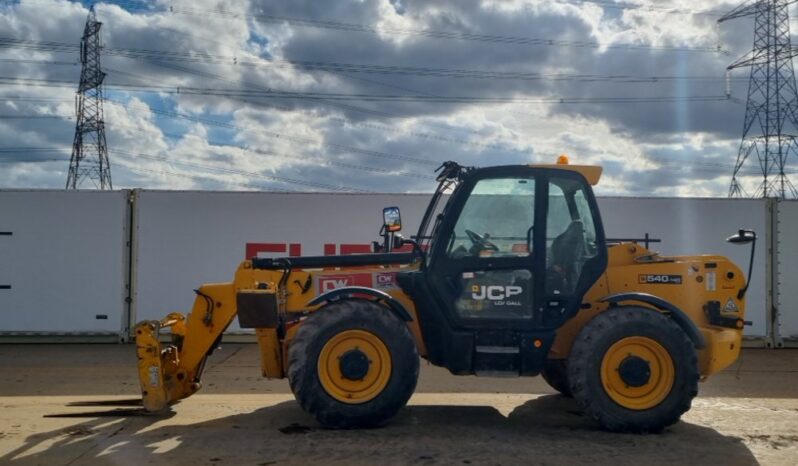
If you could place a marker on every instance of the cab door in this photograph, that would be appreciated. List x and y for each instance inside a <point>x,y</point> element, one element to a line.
<point>485,261</point>
<point>576,251</point>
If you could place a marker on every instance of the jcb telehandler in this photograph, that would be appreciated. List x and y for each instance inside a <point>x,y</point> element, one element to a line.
<point>511,276</point>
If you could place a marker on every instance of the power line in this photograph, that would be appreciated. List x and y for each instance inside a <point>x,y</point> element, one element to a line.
<point>435,34</point>
<point>418,134</point>
<point>27,98</point>
<point>449,73</point>
<point>39,62</point>
<point>35,117</point>
<point>331,67</point>
<point>278,135</point>
<point>642,7</point>
<point>9,161</point>
<point>349,107</point>
<point>472,73</point>
<point>628,79</point>
<point>681,165</point>
<point>339,68</point>
<point>428,33</point>
<point>36,152</point>
<point>147,7</point>
<point>678,165</point>
<point>10,80</point>
<point>214,76</point>
<point>666,163</point>
<point>5,150</point>
<point>211,122</point>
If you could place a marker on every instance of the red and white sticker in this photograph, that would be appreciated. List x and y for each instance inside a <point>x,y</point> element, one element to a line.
<point>380,280</point>
<point>385,280</point>
<point>331,282</point>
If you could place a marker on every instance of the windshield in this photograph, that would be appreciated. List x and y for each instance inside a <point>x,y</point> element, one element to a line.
<point>496,219</point>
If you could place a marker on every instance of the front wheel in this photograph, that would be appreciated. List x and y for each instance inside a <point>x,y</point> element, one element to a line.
<point>353,364</point>
<point>633,369</point>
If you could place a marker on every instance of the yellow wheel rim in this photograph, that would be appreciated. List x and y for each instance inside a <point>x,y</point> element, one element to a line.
<point>375,377</point>
<point>644,394</point>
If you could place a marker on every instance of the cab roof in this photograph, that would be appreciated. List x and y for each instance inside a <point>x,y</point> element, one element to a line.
<point>592,173</point>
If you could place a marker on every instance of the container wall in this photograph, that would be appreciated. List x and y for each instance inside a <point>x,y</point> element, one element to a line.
<point>63,262</point>
<point>184,239</point>
<point>786,273</point>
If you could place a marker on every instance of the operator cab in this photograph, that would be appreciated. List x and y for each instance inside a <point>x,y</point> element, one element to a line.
<point>508,261</point>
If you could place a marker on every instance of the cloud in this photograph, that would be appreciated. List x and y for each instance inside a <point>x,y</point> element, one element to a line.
<point>198,140</point>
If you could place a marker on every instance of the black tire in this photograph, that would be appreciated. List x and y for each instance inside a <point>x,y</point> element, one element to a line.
<point>585,369</point>
<point>324,324</point>
<point>555,373</point>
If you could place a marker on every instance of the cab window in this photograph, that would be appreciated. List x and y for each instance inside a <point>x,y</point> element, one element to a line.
<point>570,235</point>
<point>496,220</point>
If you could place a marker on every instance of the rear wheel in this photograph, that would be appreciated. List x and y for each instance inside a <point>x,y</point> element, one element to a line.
<point>633,370</point>
<point>353,364</point>
<point>555,373</point>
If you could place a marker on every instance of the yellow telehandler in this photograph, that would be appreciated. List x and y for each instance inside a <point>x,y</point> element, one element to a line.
<point>510,274</point>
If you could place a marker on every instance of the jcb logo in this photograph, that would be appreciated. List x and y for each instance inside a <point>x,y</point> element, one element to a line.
<point>494,292</point>
<point>648,279</point>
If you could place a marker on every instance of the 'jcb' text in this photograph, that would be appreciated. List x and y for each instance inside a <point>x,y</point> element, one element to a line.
<point>495,292</point>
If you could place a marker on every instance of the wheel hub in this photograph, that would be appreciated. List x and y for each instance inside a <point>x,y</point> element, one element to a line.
<point>637,372</point>
<point>634,371</point>
<point>354,364</point>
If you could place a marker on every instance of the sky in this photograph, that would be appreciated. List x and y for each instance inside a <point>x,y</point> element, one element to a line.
<point>372,95</point>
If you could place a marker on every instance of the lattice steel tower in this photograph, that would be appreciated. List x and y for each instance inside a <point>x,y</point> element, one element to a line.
<point>770,127</point>
<point>89,151</point>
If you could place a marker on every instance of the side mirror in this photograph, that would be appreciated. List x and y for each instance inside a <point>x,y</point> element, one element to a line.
<point>745,237</point>
<point>742,237</point>
<point>391,219</point>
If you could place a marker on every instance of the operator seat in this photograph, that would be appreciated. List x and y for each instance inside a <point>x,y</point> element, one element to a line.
<point>567,254</point>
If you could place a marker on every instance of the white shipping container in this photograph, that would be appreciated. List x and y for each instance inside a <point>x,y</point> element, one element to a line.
<point>63,262</point>
<point>786,272</point>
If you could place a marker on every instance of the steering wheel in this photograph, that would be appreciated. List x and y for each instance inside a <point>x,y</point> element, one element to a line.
<point>481,243</point>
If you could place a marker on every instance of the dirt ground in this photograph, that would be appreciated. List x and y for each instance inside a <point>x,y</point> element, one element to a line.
<point>48,394</point>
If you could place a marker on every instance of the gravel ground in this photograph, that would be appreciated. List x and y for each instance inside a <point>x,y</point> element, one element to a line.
<point>746,415</point>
